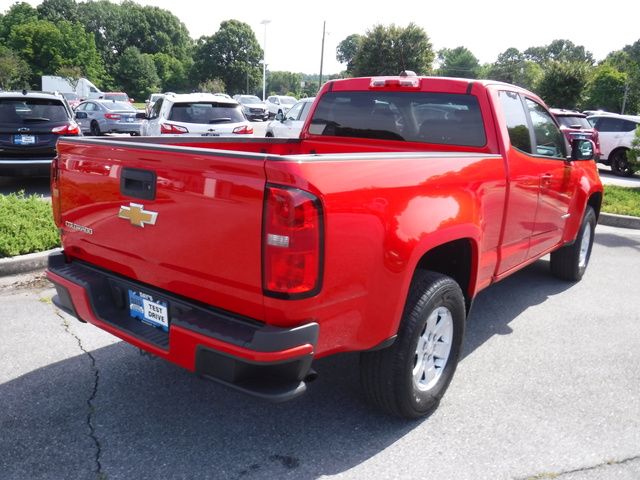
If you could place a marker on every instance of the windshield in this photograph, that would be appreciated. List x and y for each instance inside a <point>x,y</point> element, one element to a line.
<point>120,106</point>
<point>441,118</point>
<point>31,110</point>
<point>206,112</point>
<point>71,96</point>
<point>288,100</point>
<point>249,100</point>
<point>573,122</point>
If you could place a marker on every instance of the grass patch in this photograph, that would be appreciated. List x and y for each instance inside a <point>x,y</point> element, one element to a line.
<point>621,200</point>
<point>139,105</point>
<point>26,225</point>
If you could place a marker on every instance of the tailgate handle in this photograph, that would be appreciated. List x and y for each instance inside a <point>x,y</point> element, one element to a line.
<point>138,183</point>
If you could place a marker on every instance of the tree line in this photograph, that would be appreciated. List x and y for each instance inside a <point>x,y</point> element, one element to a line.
<point>565,75</point>
<point>143,49</point>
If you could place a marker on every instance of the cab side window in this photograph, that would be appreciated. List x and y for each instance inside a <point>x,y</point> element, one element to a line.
<point>547,136</point>
<point>516,117</point>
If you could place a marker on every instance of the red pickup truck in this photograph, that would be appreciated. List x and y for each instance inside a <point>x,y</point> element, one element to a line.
<point>245,260</point>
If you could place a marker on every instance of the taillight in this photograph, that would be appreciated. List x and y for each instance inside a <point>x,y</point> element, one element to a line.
<point>292,243</point>
<point>245,129</point>
<point>70,129</point>
<point>112,116</point>
<point>169,128</point>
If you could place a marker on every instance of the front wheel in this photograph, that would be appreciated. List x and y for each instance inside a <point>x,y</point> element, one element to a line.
<point>409,378</point>
<point>570,262</point>
<point>95,129</point>
<point>620,164</point>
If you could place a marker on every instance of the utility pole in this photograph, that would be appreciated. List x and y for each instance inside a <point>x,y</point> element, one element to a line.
<point>264,59</point>
<point>324,24</point>
<point>624,98</point>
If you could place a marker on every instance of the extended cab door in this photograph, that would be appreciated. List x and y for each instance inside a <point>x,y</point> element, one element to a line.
<point>557,179</point>
<point>539,180</point>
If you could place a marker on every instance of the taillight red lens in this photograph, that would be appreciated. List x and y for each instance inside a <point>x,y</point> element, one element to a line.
<point>70,129</point>
<point>112,116</point>
<point>243,130</point>
<point>292,243</point>
<point>168,128</point>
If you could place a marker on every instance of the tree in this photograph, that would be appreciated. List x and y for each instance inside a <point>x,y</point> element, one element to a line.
<point>18,14</point>
<point>14,71</point>
<point>47,47</point>
<point>347,50</point>
<point>213,85</point>
<point>57,10</point>
<point>231,54</point>
<point>173,73</point>
<point>136,73</point>
<point>390,50</point>
<point>605,89</point>
<point>560,51</point>
<point>562,84</point>
<point>458,62</point>
<point>71,74</point>
<point>512,67</point>
<point>284,83</point>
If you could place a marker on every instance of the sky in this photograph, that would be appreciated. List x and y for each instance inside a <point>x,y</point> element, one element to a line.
<point>294,34</point>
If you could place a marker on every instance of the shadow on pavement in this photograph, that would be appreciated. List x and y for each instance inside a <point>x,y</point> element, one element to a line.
<point>154,420</point>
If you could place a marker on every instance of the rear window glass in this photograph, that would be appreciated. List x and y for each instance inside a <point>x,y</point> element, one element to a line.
<point>441,118</point>
<point>206,112</point>
<point>31,110</point>
<point>119,106</point>
<point>573,122</point>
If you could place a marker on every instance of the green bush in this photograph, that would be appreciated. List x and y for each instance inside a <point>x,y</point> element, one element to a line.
<point>633,154</point>
<point>621,200</point>
<point>26,225</point>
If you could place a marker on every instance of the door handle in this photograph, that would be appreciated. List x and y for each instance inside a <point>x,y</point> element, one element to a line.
<point>545,179</point>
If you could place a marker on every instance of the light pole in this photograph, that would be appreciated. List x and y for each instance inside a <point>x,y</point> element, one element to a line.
<point>264,59</point>
<point>324,24</point>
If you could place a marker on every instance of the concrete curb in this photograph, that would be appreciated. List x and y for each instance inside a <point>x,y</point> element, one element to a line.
<point>621,221</point>
<point>24,263</point>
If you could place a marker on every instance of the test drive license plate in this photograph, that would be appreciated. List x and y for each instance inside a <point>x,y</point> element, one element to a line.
<point>148,310</point>
<point>24,139</point>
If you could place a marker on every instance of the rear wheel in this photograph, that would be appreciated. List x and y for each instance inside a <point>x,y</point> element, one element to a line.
<point>95,129</point>
<point>570,262</point>
<point>620,164</point>
<point>269,135</point>
<point>409,378</point>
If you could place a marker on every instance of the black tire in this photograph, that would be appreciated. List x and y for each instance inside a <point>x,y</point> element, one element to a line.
<point>387,375</point>
<point>567,263</point>
<point>95,129</point>
<point>268,135</point>
<point>620,164</point>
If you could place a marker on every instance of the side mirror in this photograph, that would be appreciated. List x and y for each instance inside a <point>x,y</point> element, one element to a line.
<point>280,117</point>
<point>141,115</point>
<point>132,100</point>
<point>81,115</point>
<point>582,149</point>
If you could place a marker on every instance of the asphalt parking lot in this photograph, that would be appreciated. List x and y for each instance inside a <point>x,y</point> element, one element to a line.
<point>547,388</point>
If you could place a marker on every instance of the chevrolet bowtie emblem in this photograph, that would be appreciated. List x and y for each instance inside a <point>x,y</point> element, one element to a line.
<point>137,215</point>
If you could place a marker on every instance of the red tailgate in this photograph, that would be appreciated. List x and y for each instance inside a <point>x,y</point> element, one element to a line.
<point>205,240</point>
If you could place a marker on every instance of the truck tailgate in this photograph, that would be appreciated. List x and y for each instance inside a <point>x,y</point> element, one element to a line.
<point>198,235</point>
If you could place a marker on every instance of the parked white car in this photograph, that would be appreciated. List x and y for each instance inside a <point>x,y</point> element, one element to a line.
<point>279,104</point>
<point>290,124</point>
<point>196,114</point>
<point>253,107</point>
<point>616,133</point>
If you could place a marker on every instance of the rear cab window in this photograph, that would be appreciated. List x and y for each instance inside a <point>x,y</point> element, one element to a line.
<point>439,118</point>
<point>206,113</point>
<point>573,121</point>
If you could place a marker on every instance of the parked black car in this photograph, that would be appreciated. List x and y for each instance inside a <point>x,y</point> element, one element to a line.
<point>30,125</point>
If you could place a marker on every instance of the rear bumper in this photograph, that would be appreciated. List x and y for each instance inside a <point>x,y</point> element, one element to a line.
<point>258,359</point>
<point>34,166</point>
